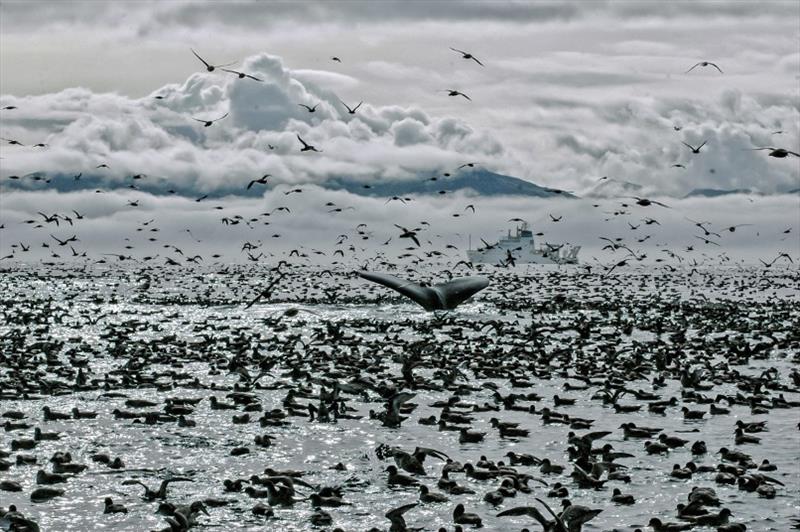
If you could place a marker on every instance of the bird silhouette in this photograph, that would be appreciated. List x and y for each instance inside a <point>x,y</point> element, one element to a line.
<point>466,55</point>
<point>210,67</point>
<point>704,64</point>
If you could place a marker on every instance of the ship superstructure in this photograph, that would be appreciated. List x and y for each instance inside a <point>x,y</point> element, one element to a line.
<point>521,248</point>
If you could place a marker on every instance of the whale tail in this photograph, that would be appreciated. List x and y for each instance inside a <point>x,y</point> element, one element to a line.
<point>455,292</point>
<point>445,296</point>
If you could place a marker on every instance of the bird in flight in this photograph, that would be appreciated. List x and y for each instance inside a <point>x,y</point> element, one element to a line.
<point>266,292</point>
<point>732,228</point>
<point>453,92</point>
<point>241,75</point>
<point>678,166</point>
<point>210,67</point>
<point>354,109</point>
<point>310,109</point>
<point>467,55</point>
<point>645,202</point>
<point>697,149</point>
<point>334,58</point>
<point>704,64</point>
<point>412,234</point>
<point>778,153</point>
<point>306,146</point>
<point>208,123</point>
<point>261,181</point>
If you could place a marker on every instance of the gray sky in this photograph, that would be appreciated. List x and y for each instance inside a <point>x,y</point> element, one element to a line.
<point>569,92</point>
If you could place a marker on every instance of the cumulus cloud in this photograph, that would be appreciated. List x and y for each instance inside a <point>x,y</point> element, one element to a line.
<point>165,137</point>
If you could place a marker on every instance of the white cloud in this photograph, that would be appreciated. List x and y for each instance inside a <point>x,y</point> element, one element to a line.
<point>161,137</point>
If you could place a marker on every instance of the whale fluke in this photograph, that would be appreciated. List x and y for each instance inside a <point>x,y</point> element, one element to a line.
<point>445,296</point>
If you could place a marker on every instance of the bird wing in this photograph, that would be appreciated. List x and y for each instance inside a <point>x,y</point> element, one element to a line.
<point>200,58</point>
<point>703,144</point>
<point>476,60</point>
<point>400,398</point>
<point>718,68</point>
<point>421,452</point>
<point>231,71</point>
<point>301,140</point>
<point>687,145</point>
<point>529,511</point>
<point>695,66</point>
<point>164,483</point>
<point>465,96</point>
<point>459,51</point>
<point>264,292</point>
<point>220,118</point>
<point>131,482</point>
<point>398,512</point>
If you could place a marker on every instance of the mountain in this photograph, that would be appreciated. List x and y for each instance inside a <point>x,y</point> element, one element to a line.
<point>715,192</point>
<point>479,182</point>
<point>613,188</point>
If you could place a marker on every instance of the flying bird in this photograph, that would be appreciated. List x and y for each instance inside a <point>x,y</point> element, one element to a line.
<point>704,64</point>
<point>467,55</point>
<point>210,67</point>
<point>697,149</point>
<point>306,146</point>
<point>645,202</point>
<point>261,181</point>
<point>453,92</point>
<point>266,292</point>
<point>354,109</point>
<point>208,123</point>
<point>310,109</point>
<point>412,234</point>
<point>241,75</point>
<point>778,153</point>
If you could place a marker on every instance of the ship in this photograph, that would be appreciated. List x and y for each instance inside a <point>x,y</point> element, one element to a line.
<point>520,248</point>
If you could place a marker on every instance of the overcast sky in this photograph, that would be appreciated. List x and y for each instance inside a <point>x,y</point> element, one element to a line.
<point>570,92</point>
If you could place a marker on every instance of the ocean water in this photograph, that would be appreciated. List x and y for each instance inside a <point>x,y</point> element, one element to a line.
<point>160,323</point>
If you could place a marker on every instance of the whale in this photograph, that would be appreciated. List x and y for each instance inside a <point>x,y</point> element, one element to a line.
<point>444,296</point>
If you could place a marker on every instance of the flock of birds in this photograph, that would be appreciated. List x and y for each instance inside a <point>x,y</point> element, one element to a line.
<point>481,379</point>
<point>564,366</point>
<point>22,250</point>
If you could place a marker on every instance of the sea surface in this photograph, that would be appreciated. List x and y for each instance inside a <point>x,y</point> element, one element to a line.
<point>320,326</point>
